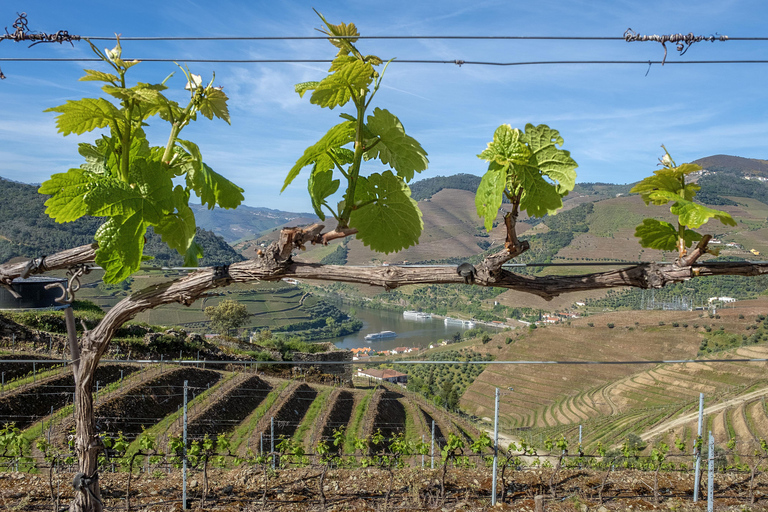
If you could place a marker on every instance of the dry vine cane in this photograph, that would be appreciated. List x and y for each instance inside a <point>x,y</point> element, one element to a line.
<point>21,33</point>
<point>682,41</point>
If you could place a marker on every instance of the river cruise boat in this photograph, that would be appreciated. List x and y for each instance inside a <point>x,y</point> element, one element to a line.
<point>469,324</point>
<point>380,335</point>
<point>416,315</point>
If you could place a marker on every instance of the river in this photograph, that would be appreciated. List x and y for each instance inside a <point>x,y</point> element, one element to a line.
<point>410,333</point>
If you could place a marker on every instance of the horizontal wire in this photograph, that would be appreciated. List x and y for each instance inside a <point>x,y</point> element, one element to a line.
<point>395,361</point>
<point>325,38</point>
<point>458,62</point>
<point>319,38</point>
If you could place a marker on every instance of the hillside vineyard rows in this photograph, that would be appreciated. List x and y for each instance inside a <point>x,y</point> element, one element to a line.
<point>234,410</point>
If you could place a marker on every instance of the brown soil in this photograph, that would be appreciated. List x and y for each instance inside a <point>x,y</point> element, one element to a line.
<point>227,411</point>
<point>439,436</point>
<point>390,415</point>
<point>339,415</point>
<point>145,405</point>
<point>289,415</point>
<point>26,405</point>
<point>16,370</point>
<point>365,489</point>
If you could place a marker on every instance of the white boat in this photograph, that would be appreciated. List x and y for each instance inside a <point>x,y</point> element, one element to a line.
<point>416,315</point>
<point>469,324</point>
<point>380,335</point>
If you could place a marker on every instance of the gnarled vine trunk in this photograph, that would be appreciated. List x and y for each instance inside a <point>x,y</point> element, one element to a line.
<point>275,263</point>
<point>87,442</point>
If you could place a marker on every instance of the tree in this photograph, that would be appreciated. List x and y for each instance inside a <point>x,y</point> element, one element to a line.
<point>227,315</point>
<point>131,184</point>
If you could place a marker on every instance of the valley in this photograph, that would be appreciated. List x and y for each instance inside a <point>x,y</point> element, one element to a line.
<point>597,370</point>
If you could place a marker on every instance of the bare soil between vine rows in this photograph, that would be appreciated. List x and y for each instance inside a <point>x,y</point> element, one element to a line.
<point>366,489</point>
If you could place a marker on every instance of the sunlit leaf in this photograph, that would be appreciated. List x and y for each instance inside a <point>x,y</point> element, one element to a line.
<point>67,191</point>
<point>336,137</point>
<point>490,194</point>
<point>337,89</point>
<point>552,162</point>
<point>211,187</point>
<point>177,229</point>
<point>85,115</point>
<point>321,185</point>
<point>93,75</point>
<point>694,215</point>
<point>387,219</point>
<point>402,152</point>
<point>655,234</point>
<point>303,87</point>
<point>506,147</point>
<point>214,103</point>
<point>121,243</point>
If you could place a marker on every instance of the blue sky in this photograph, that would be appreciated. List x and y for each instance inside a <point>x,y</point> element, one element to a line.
<point>613,117</point>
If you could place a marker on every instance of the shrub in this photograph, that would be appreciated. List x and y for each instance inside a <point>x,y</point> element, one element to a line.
<point>610,326</point>
<point>591,324</point>
<point>661,322</point>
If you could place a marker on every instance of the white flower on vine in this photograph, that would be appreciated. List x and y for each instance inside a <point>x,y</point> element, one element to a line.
<point>195,81</point>
<point>114,53</point>
<point>666,160</point>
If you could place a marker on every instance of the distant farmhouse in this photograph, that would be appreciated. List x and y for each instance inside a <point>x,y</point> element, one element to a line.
<point>384,375</point>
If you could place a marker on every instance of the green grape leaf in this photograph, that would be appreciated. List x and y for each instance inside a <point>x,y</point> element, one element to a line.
<point>663,180</point>
<point>402,152</point>
<point>121,243</point>
<point>147,96</point>
<point>211,187</point>
<point>148,197</point>
<point>694,215</point>
<point>321,185</point>
<point>85,115</point>
<point>656,234</point>
<point>652,188</point>
<point>342,156</point>
<point>337,89</point>
<point>193,254</point>
<point>171,112</point>
<point>506,148</point>
<point>539,196</point>
<point>215,104</point>
<point>339,135</point>
<point>552,162</point>
<point>100,76</point>
<point>688,168</point>
<point>67,191</point>
<point>387,219</point>
<point>342,29</point>
<point>177,229</point>
<point>303,87</point>
<point>95,161</point>
<point>490,194</point>
<point>340,61</point>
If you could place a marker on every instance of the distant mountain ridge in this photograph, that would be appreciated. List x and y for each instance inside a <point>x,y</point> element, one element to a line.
<point>734,165</point>
<point>246,222</point>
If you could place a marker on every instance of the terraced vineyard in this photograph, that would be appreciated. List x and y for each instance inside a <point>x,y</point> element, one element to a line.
<point>243,406</point>
<point>658,402</point>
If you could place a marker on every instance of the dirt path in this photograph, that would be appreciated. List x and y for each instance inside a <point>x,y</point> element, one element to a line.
<point>682,420</point>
